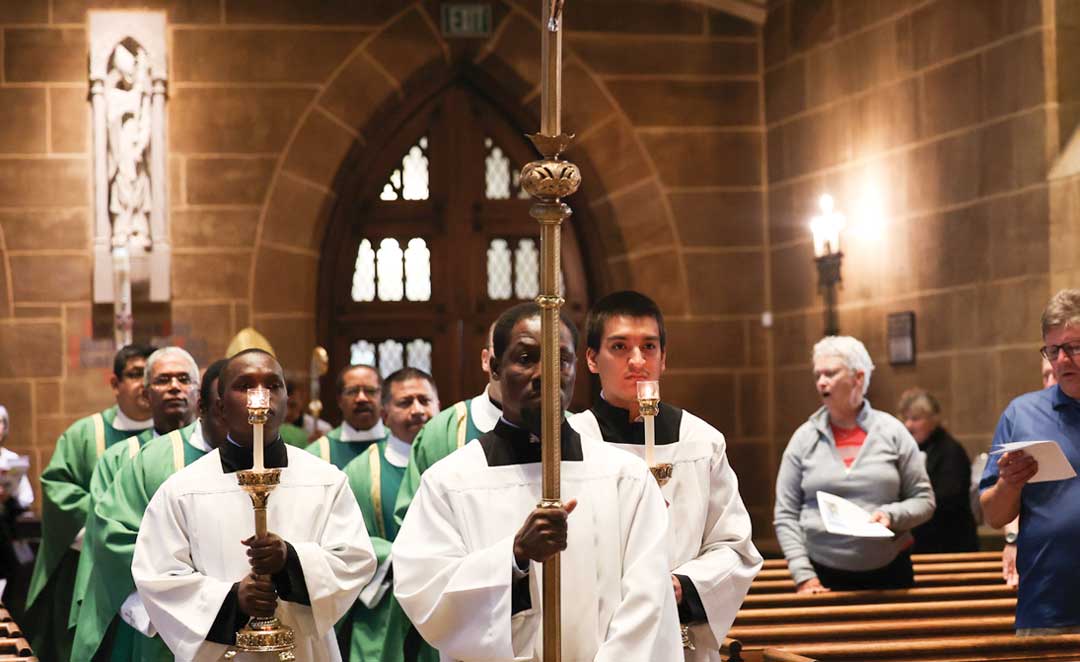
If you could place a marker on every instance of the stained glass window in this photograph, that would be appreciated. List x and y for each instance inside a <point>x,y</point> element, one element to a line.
<point>501,178</point>
<point>418,355</point>
<point>392,354</point>
<point>514,274</point>
<point>409,181</point>
<point>391,357</point>
<point>362,353</point>
<point>498,270</point>
<point>417,270</point>
<point>526,269</point>
<point>390,270</point>
<point>363,284</point>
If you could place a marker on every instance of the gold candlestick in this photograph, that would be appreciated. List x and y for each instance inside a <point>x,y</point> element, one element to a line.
<point>261,635</point>
<point>648,396</point>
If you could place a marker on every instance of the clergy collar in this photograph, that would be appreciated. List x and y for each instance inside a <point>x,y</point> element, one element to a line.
<point>197,440</point>
<point>509,444</point>
<point>397,451</point>
<point>485,411</point>
<point>374,433</point>
<point>615,424</point>
<point>235,457</point>
<point>124,422</point>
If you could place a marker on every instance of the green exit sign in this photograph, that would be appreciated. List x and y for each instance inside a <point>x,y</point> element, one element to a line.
<point>466,19</point>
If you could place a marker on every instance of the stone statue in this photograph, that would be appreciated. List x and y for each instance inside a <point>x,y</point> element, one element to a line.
<point>129,120</point>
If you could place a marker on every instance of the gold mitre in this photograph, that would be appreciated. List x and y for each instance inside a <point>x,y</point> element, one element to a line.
<point>249,338</point>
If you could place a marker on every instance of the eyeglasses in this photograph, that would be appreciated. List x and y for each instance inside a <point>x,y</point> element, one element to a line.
<point>165,381</point>
<point>1050,352</point>
<point>353,391</point>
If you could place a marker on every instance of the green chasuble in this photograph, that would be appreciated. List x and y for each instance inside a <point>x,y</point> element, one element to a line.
<point>65,491</point>
<point>115,457</point>
<point>110,542</point>
<point>377,634</point>
<point>293,435</point>
<point>339,453</point>
<point>451,429</point>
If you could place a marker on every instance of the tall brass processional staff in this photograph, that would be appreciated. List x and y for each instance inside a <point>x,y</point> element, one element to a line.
<point>548,180</point>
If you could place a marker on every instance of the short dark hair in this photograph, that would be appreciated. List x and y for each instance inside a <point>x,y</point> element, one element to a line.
<point>353,366</point>
<point>402,375</point>
<point>228,363</point>
<point>628,303</point>
<point>212,373</point>
<point>128,352</point>
<point>500,335</point>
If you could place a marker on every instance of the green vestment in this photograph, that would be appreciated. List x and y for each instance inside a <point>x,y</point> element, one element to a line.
<point>448,431</point>
<point>115,525</point>
<point>293,435</point>
<point>65,492</point>
<point>114,457</point>
<point>339,453</point>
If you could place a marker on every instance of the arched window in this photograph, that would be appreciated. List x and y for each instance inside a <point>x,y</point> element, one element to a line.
<point>431,240</point>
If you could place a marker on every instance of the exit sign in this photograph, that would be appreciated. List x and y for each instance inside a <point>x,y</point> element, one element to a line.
<point>471,19</point>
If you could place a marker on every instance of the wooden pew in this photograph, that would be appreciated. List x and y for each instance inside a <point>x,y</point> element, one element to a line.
<point>949,649</point>
<point>959,557</point>
<point>920,569</point>
<point>944,579</point>
<point>931,593</point>
<point>16,647</point>
<point>902,610</point>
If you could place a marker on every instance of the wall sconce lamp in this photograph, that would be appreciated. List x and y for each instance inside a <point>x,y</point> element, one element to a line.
<point>826,228</point>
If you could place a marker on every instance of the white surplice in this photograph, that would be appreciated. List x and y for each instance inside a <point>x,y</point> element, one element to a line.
<point>188,553</point>
<point>709,536</point>
<point>454,559</point>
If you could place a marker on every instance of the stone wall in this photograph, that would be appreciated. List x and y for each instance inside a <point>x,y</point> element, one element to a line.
<point>266,100</point>
<point>946,108</point>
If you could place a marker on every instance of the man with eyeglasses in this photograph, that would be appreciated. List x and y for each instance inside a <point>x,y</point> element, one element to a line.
<point>1049,511</point>
<point>359,390</point>
<point>172,379</point>
<point>65,491</point>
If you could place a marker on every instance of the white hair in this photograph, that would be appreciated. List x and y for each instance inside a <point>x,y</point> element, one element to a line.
<point>171,351</point>
<point>849,350</point>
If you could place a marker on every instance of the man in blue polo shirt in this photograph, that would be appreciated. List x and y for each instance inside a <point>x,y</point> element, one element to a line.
<point>1049,511</point>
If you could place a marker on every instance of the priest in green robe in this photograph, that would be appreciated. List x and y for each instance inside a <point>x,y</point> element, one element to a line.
<point>451,429</point>
<point>375,629</point>
<point>65,491</point>
<point>113,624</point>
<point>172,381</point>
<point>359,390</point>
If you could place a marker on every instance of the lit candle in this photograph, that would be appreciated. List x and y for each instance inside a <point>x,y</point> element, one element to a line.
<point>258,405</point>
<point>648,394</point>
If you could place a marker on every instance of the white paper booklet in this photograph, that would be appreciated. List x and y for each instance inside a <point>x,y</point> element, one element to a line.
<point>844,518</point>
<point>1053,465</point>
<point>12,472</point>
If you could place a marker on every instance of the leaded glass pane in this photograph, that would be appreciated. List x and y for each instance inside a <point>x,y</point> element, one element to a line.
<point>498,270</point>
<point>390,282</point>
<point>363,284</point>
<point>415,166</point>
<point>522,194</point>
<point>496,172</point>
<point>391,357</point>
<point>417,270</point>
<point>418,355</point>
<point>526,269</point>
<point>362,352</point>
<point>390,190</point>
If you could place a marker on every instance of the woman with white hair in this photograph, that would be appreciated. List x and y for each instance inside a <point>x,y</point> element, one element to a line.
<point>866,456</point>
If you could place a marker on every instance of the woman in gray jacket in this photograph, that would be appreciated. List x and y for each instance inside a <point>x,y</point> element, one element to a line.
<point>866,456</point>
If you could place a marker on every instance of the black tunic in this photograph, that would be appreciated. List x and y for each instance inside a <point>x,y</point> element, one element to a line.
<point>952,528</point>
